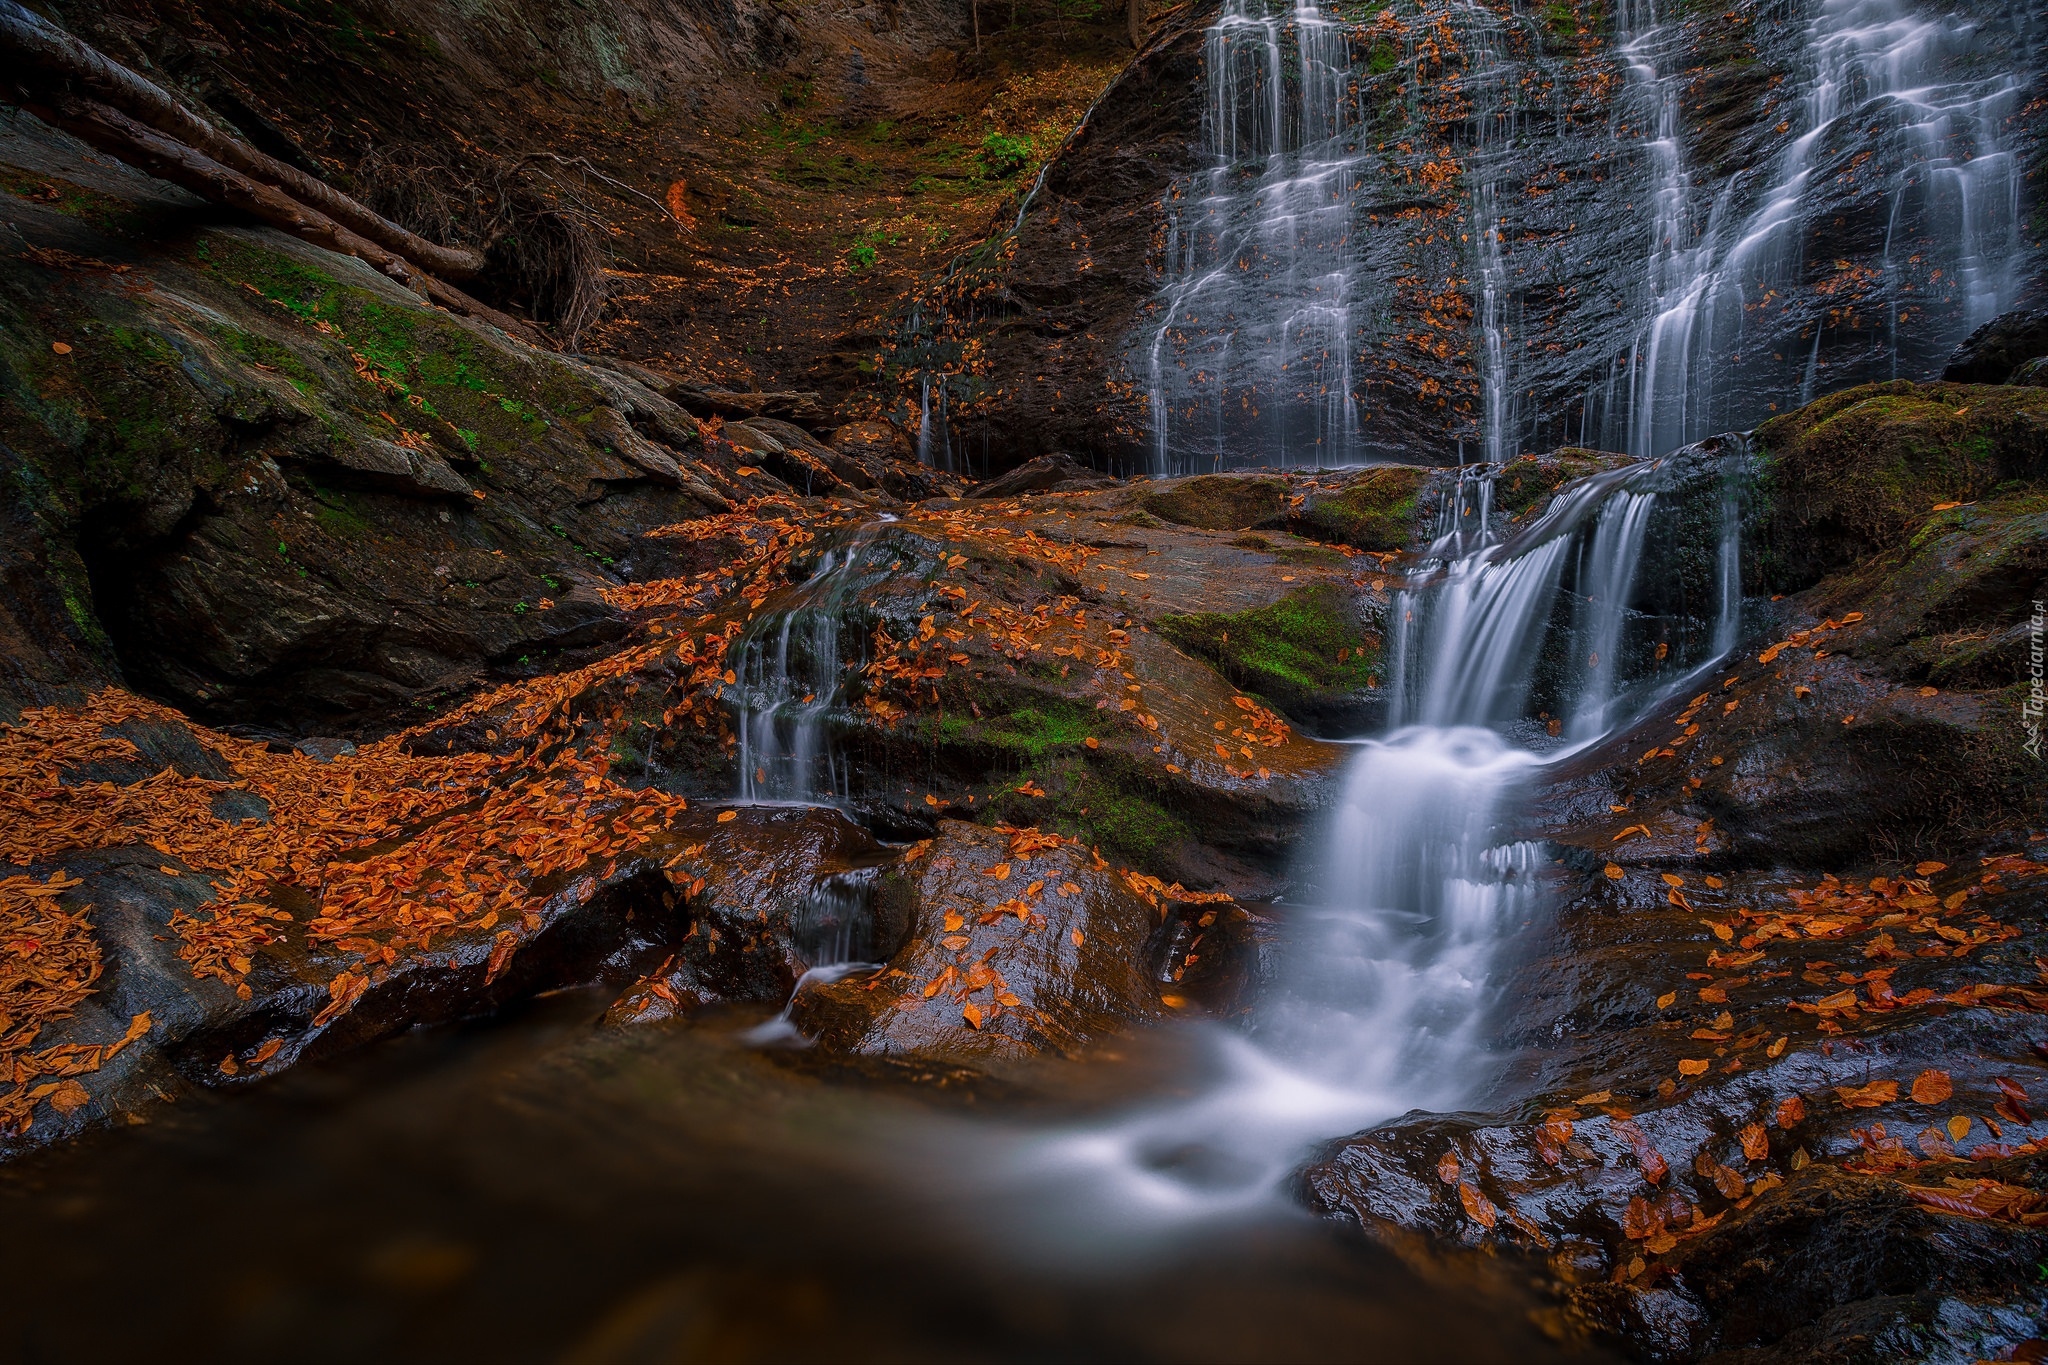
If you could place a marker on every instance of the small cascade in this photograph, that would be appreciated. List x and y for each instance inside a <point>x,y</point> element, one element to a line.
<point>1380,1000</point>
<point>1548,619</point>
<point>1736,324</point>
<point>1260,312</point>
<point>790,671</point>
<point>834,933</point>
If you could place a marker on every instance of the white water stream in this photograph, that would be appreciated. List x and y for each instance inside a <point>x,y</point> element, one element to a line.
<point>1384,995</point>
<point>1259,316</point>
<point>1723,263</point>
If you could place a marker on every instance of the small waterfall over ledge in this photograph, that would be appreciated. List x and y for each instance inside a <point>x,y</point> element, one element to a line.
<point>1380,997</point>
<point>790,674</point>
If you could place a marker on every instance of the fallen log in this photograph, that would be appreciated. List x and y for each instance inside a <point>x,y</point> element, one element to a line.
<point>61,60</point>
<point>146,149</point>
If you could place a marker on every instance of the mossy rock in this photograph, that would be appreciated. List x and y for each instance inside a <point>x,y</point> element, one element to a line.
<point>1524,486</point>
<point>1220,502</point>
<point>1308,653</point>
<point>1856,473</point>
<point>1377,511</point>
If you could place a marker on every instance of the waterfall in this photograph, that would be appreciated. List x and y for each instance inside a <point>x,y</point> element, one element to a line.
<point>1734,327</point>
<point>789,675</point>
<point>1380,997</point>
<point>1251,357</point>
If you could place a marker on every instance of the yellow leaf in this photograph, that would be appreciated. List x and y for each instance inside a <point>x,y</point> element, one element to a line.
<point>1959,1127</point>
<point>1664,1001</point>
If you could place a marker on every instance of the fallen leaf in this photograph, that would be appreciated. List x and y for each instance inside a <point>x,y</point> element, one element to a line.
<point>1959,1127</point>
<point>1447,1169</point>
<point>1664,1001</point>
<point>1078,937</point>
<point>1932,1087</point>
<point>1777,1049</point>
<point>1689,1067</point>
<point>971,1012</point>
<point>1929,869</point>
<point>1614,871</point>
<point>1791,1110</point>
<point>1756,1143</point>
<point>1477,1206</point>
<point>69,1095</point>
<point>1868,1096</point>
<point>61,348</point>
<point>726,815</point>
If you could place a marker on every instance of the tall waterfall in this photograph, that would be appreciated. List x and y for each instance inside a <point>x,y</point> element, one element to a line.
<point>1251,357</point>
<point>1736,322</point>
<point>1381,1000</point>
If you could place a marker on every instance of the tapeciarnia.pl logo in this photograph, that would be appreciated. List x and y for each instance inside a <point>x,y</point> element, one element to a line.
<point>2037,672</point>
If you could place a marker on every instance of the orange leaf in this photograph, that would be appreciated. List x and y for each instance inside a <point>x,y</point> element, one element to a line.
<point>1756,1143</point>
<point>726,815</point>
<point>1791,1110</point>
<point>1447,1169</point>
<point>1614,872</point>
<point>1477,1206</point>
<point>1868,1096</point>
<point>1691,1067</point>
<point>1932,1087</point>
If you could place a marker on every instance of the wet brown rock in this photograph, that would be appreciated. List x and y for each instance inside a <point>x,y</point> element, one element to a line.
<point>1015,950</point>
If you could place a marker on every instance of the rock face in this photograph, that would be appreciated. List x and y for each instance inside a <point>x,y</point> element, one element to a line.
<point>1045,338</point>
<point>1996,352</point>
<point>1017,944</point>
<point>271,485</point>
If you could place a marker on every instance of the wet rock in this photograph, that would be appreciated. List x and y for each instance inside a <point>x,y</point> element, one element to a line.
<point>269,483</point>
<point>1014,951</point>
<point>770,892</point>
<point>1220,502</point>
<point>1994,353</point>
<point>1378,510</point>
<point>1854,473</point>
<point>1046,474</point>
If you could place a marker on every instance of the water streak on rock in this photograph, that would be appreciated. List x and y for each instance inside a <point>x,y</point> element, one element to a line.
<point>1737,321</point>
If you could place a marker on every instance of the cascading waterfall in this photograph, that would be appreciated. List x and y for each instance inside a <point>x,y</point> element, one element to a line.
<point>789,673</point>
<point>1260,312</point>
<point>1731,331</point>
<point>1380,1001</point>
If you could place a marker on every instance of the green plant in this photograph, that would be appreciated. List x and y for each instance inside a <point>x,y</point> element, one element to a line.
<point>1003,155</point>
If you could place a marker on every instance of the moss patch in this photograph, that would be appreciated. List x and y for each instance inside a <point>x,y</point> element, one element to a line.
<point>1220,502</point>
<point>1376,512</point>
<point>1303,650</point>
<point>1857,472</point>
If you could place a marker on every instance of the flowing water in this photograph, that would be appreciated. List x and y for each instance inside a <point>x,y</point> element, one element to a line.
<point>790,672</point>
<point>1382,999</point>
<point>1730,330</point>
<point>1261,309</point>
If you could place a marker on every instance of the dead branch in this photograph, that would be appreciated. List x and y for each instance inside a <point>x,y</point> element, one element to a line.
<point>58,57</point>
<point>145,148</point>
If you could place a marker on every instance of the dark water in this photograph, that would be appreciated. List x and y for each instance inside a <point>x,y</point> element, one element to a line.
<point>534,1189</point>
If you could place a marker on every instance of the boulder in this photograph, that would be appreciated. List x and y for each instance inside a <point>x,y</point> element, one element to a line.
<point>1018,945</point>
<point>1996,351</point>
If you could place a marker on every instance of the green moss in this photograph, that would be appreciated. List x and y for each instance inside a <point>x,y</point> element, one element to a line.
<point>1287,651</point>
<point>1027,734</point>
<point>1377,511</point>
<point>1856,473</point>
<point>1219,502</point>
